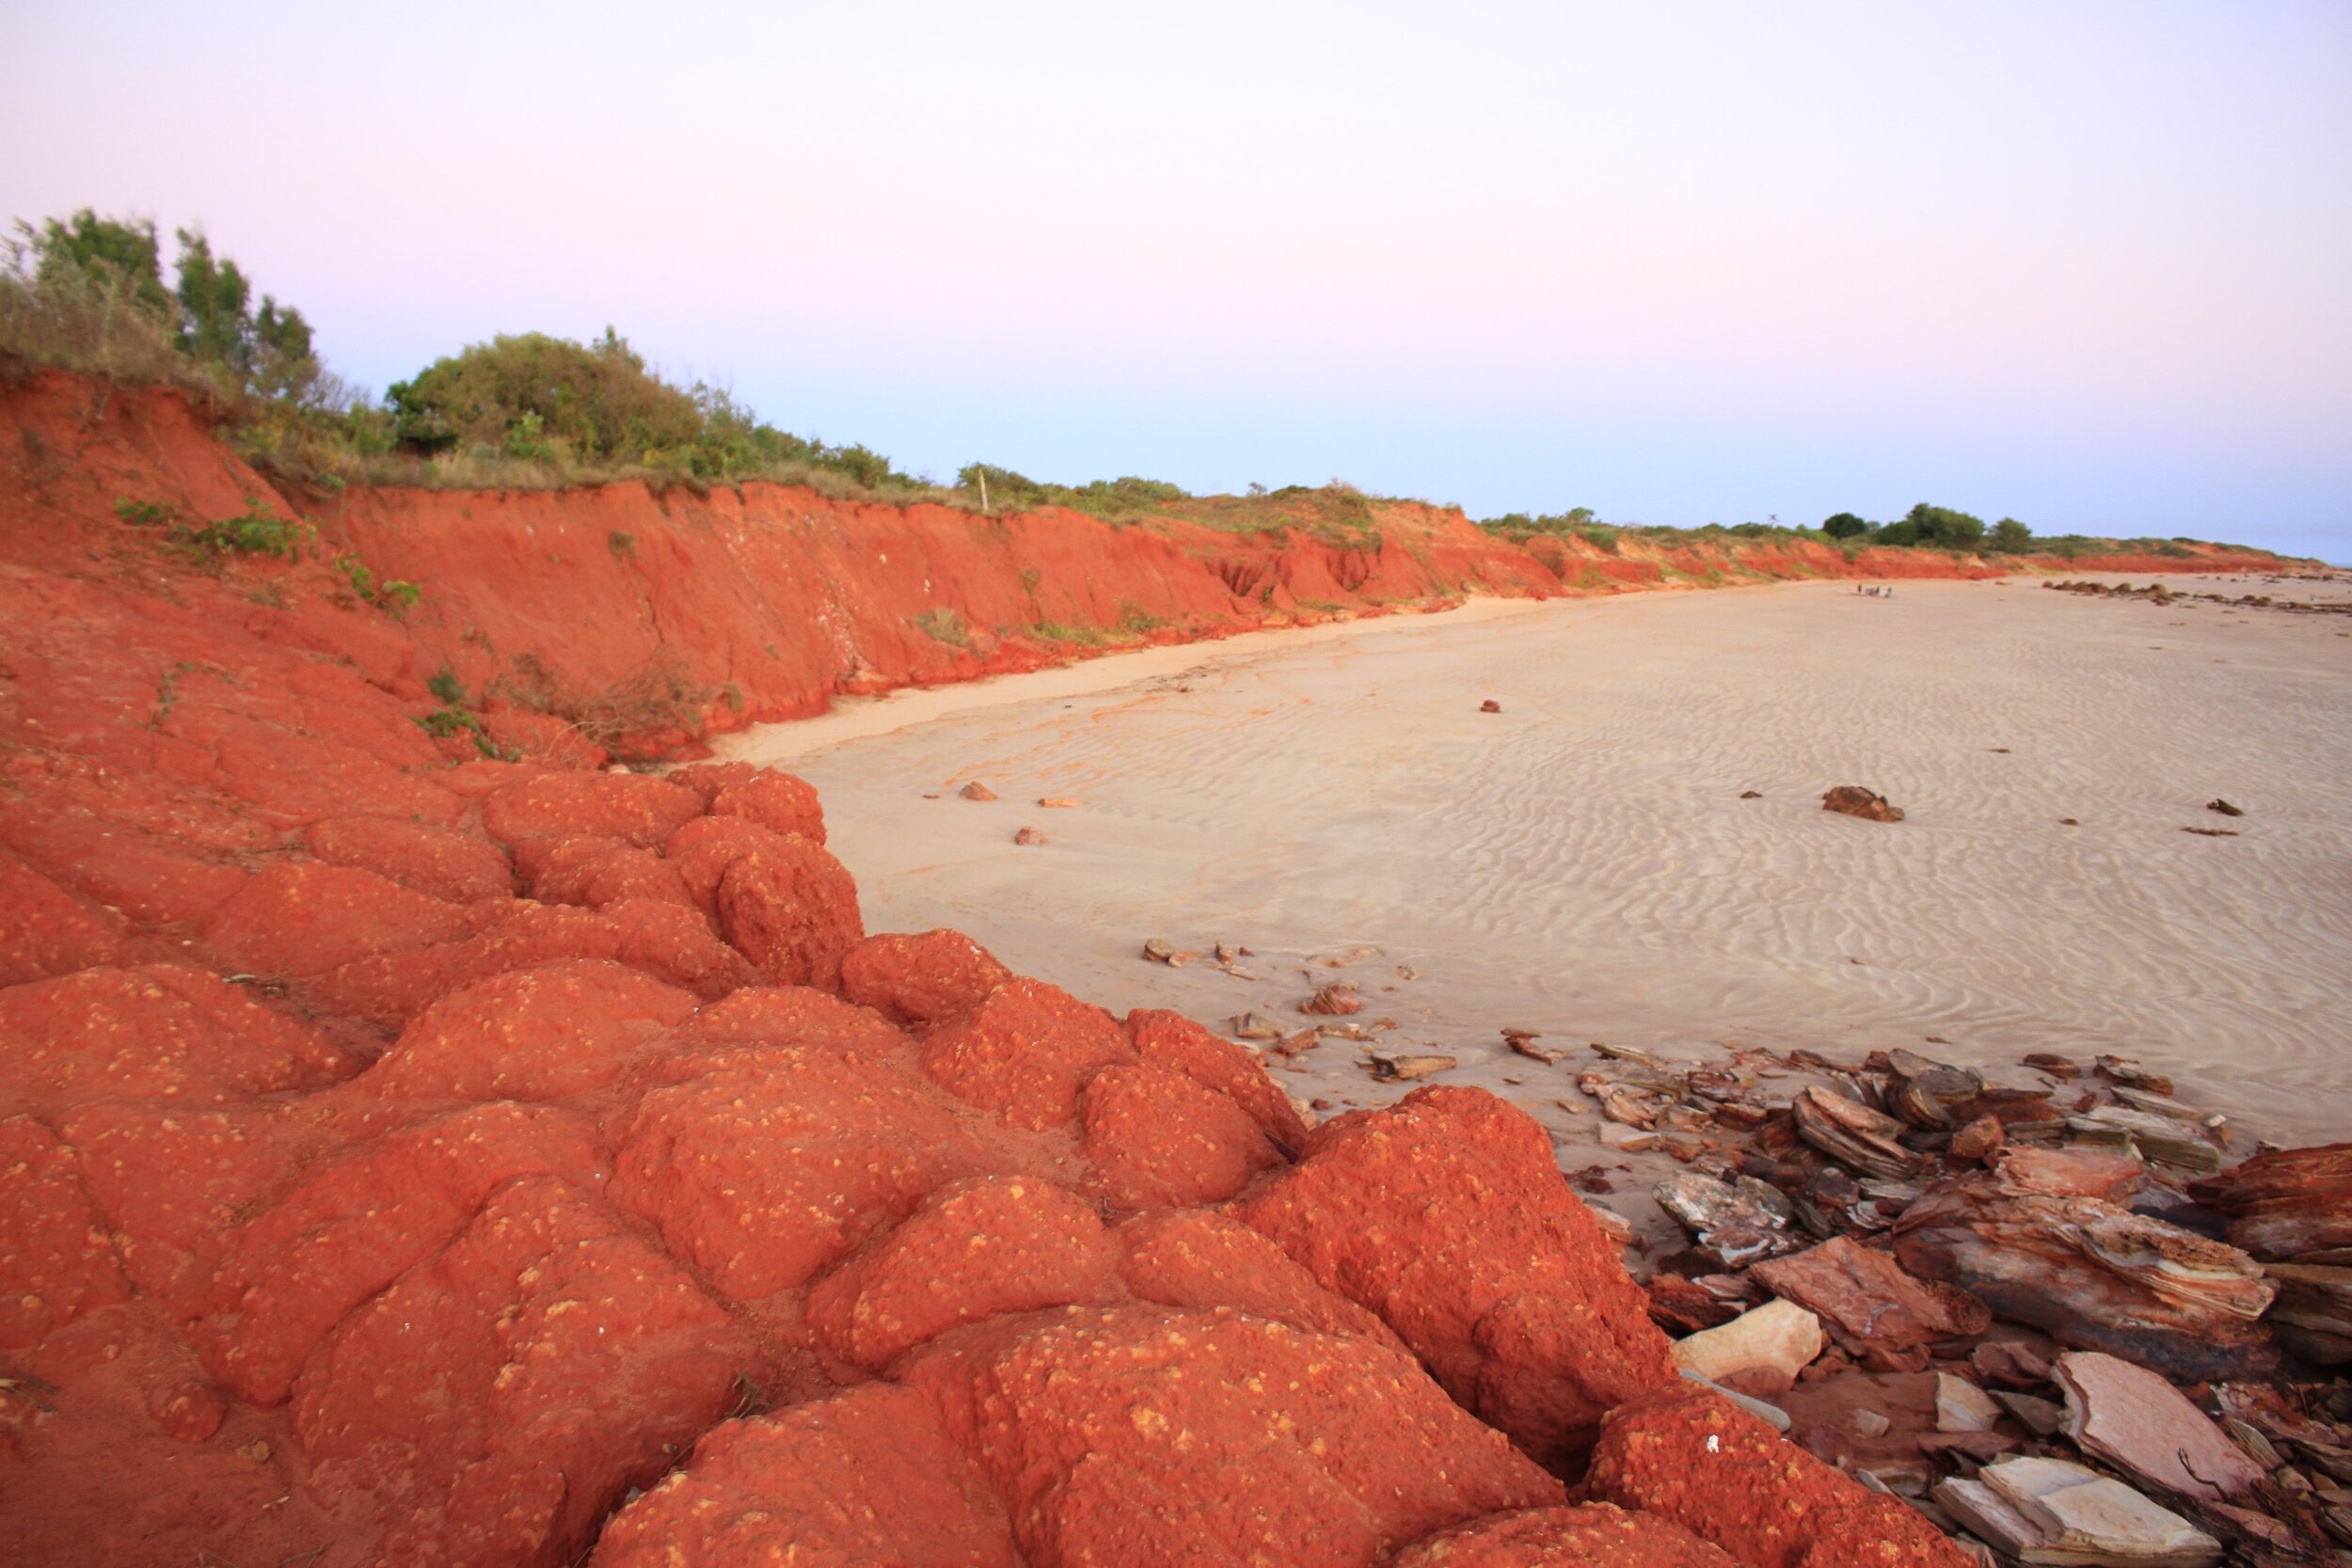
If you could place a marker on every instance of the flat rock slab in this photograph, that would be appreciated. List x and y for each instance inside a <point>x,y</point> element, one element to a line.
<point>2136,1421</point>
<point>1779,1338</point>
<point>2056,1514</point>
<point>1869,1299</point>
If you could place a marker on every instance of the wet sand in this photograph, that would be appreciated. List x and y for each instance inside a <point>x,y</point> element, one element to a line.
<point>1582,863</point>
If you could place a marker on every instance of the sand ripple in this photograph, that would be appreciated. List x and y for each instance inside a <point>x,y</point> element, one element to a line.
<point>1581,863</point>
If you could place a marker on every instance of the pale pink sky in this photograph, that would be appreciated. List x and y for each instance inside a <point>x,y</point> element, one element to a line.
<point>2085,263</point>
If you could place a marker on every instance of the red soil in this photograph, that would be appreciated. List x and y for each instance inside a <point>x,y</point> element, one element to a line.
<point>407,1155</point>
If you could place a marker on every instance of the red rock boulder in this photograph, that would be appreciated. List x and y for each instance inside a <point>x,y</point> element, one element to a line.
<point>1026,1053</point>
<point>1599,1534</point>
<point>919,980</point>
<point>972,1249</point>
<point>1446,1215</point>
<point>1688,1456</point>
<point>1151,1438</point>
<point>632,807</point>
<point>864,1477</point>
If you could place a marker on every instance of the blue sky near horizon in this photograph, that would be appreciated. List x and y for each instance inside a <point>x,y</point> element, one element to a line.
<point>2084,263</point>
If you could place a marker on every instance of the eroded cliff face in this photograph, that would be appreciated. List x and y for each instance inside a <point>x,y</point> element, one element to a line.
<point>656,619</point>
<point>408,1156</point>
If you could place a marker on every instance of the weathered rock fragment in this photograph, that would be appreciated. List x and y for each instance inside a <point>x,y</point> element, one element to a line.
<point>1962,1406</point>
<point>1853,1134</point>
<point>2138,1423</point>
<point>2289,1203</point>
<point>1740,1221</point>
<point>1761,1352</point>
<point>2090,1273</point>
<point>2056,1514</point>
<point>1877,1311</point>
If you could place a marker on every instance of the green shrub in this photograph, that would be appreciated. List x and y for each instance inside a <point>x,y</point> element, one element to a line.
<point>1112,499</point>
<point>393,593</point>
<point>256,531</point>
<point>1943,526</point>
<point>545,402</point>
<point>1519,527</point>
<point>1903,532</point>
<point>446,686</point>
<point>1844,525</point>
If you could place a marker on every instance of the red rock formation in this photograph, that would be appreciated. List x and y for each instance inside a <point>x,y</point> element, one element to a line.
<point>867,1476</point>
<point>1152,1436</point>
<point>1446,1215</point>
<point>972,1249</point>
<point>1026,1051</point>
<point>1690,1456</point>
<point>1545,1537</point>
<point>1173,1041</point>
<point>349,1200</point>
<point>921,980</point>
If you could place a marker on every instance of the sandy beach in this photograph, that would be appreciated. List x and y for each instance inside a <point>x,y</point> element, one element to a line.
<point>1582,862</point>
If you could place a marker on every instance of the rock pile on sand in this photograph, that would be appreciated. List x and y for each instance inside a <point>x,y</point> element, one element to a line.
<point>1967,1292</point>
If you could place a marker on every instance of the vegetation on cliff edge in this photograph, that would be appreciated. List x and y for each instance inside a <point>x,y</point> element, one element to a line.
<point>534,411</point>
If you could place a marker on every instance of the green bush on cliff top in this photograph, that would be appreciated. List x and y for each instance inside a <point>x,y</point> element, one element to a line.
<point>543,400</point>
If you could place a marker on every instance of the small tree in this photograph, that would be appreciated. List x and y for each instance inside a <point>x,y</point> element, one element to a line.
<point>2011,535</point>
<point>108,248</point>
<point>1845,525</point>
<point>1942,525</point>
<point>268,351</point>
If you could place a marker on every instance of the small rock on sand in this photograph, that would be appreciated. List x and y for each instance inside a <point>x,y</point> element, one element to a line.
<point>1490,705</point>
<point>1868,804</point>
<point>1029,836</point>
<point>1333,1001</point>
<point>1062,801</point>
<point>1389,1070</point>
<point>977,791</point>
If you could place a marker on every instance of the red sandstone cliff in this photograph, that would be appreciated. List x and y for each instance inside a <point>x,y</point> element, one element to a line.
<point>673,614</point>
